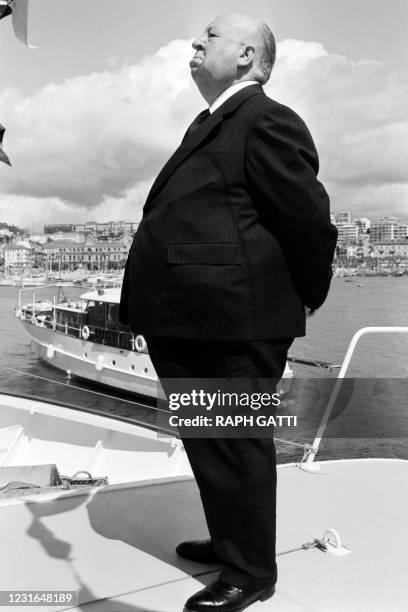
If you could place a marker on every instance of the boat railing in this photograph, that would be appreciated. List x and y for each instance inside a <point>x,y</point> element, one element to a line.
<point>37,288</point>
<point>100,335</point>
<point>364,331</point>
<point>112,337</point>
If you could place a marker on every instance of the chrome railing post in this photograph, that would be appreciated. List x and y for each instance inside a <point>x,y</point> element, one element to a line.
<point>339,381</point>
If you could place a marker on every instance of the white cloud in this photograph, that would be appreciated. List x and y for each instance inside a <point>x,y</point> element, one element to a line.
<point>98,136</point>
<point>358,122</point>
<point>90,147</point>
<point>295,55</point>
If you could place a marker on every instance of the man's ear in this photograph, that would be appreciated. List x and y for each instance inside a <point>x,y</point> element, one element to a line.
<point>246,56</point>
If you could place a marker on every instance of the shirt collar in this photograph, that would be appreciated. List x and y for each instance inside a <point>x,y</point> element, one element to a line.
<point>227,93</point>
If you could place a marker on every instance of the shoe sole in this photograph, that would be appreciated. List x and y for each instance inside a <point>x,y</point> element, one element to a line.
<point>266,595</point>
<point>204,562</point>
<point>207,561</point>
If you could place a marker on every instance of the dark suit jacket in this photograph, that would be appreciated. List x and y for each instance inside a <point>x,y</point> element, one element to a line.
<point>236,234</point>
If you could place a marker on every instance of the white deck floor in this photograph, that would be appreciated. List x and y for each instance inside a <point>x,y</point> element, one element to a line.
<point>118,543</point>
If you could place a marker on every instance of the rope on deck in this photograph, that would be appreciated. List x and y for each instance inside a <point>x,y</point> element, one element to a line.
<point>305,546</point>
<point>330,542</point>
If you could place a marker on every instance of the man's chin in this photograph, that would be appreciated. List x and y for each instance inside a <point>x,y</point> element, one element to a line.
<point>195,72</point>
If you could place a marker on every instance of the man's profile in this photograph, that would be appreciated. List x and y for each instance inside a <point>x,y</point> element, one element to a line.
<point>234,243</point>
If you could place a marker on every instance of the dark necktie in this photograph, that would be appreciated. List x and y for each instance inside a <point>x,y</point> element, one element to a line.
<point>201,117</point>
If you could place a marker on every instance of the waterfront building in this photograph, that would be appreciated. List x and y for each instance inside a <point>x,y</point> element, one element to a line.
<point>388,219</point>
<point>90,227</point>
<point>363,224</point>
<point>388,229</point>
<point>92,255</point>
<point>17,257</point>
<point>342,217</point>
<point>114,229</point>
<point>40,238</point>
<point>73,236</point>
<point>59,227</point>
<point>401,231</point>
<point>129,228</point>
<point>391,248</point>
<point>382,231</point>
<point>110,230</point>
<point>348,233</point>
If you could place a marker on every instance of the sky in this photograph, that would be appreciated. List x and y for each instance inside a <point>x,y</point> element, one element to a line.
<point>94,112</point>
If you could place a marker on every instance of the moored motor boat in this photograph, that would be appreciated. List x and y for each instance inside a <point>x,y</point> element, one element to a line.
<point>84,338</point>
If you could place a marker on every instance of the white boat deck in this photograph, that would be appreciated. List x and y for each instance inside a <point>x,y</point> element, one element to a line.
<point>115,545</point>
<point>34,432</point>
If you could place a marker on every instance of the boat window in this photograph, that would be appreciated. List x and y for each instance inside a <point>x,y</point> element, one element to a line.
<point>112,312</point>
<point>96,314</point>
<point>71,320</point>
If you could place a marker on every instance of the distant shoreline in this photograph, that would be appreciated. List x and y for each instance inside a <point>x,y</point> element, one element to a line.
<point>362,273</point>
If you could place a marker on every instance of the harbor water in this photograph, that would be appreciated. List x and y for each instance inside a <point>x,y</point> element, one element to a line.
<point>351,304</point>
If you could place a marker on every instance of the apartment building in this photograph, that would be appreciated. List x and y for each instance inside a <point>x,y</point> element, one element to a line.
<point>91,255</point>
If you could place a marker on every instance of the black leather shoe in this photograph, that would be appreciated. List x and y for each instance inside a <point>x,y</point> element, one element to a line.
<point>201,551</point>
<point>222,597</point>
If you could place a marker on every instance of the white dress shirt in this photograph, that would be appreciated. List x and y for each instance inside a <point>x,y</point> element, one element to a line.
<point>230,91</point>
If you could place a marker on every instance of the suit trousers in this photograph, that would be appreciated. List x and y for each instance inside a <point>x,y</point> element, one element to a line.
<point>236,476</point>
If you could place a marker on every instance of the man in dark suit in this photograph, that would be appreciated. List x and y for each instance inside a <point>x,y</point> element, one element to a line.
<point>234,244</point>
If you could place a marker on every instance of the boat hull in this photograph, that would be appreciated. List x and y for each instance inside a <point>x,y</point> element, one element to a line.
<point>122,369</point>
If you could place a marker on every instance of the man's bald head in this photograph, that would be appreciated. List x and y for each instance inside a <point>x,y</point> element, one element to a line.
<point>233,48</point>
<point>255,32</point>
<point>266,51</point>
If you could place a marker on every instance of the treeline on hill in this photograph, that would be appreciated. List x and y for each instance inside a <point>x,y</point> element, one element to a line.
<point>11,228</point>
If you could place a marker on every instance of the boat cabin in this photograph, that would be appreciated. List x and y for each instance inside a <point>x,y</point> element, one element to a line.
<point>101,317</point>
<point>94,317</point>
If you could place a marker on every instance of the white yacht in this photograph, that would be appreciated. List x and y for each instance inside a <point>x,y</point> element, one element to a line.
<point>84,337</point>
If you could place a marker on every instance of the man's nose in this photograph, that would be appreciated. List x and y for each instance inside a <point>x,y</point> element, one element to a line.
<point>199,43</point>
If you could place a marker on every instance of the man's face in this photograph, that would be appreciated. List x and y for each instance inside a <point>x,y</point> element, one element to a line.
<point>216,53</point>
